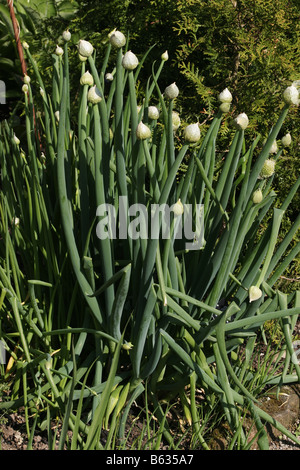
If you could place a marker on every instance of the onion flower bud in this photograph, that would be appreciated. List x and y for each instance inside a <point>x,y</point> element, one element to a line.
<point>117,39</point>
<point>225,96</point>
<point>82,58</point>
<point>56,114</point>
<point>254,293</point>
<point>130,61</point>
<point>224,107</point>
<point>291,95</point>
<point>274,147</point>
<point>171,91</point>
<point>26,79</point>
<point>85,48</point>
<point>153,112</point>
<point>268,168</point>
<point>241,121</point>
<point>175,121</point>
<point>66,35</point>
<point>87,79</point>
<point>178,208</point>
<point>25,45</point>
<point>165,56</point>
<point>192,133</point>
<point>94,95</point>
<point>25,88</point>
<point>16,140</point>
<point>143,132</point>
<point>286,140</point>
<point>59,51</point>
<point>257,196</point>
<point>109,77</point>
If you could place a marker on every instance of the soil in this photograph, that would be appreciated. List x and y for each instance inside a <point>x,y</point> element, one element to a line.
<point>286,410</point>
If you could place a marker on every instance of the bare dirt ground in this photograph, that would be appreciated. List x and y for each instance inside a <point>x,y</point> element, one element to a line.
<point>286,410</point>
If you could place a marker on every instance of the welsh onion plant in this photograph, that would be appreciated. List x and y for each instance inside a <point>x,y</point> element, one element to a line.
<point>99,294</point>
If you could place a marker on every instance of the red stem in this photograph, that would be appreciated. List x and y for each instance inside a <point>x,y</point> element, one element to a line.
<point>16,27</point>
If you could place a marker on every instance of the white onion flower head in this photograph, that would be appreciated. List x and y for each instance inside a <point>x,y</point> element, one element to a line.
<point>178,208</point>
<point>257,196</point>
<point>94,95</point>
<point>143,132</point>
<point>59,51</point>
<point>66,35</point>
<point>274,147</point>
<point>153,112</point>
<point>171,91</point>
<point>117,39</point>
<point>16,221</point>
<point>291,95</point>
<point>165,56</point>
<point>26,79</point>
<point>109,77</point>
<point>241,121</point>
<point>25,45</point>
<point>16,140</point>
<point>85,48</point>
<point>286,140</point>
<point>225,96</point>
<point>25,88</point>
<point>268,168</point>
<point>254,293</point>
<point>56,114</point>
<point>87,79</point>
<point>192,133</point>
<point>296,83</point>
<point>175,121</point>
<point>130,61</point>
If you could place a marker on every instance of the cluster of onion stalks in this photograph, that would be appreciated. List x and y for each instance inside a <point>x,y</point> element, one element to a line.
<point>90,320</point>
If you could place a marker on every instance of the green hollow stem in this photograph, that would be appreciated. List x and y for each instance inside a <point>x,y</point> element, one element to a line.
<point>105,244</point>
<point>65,207</point>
